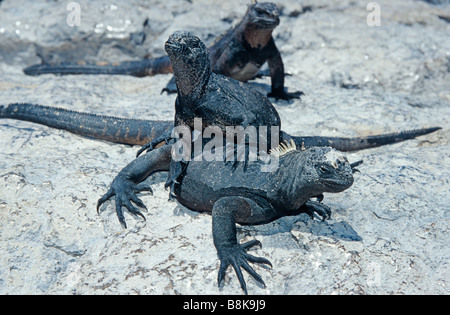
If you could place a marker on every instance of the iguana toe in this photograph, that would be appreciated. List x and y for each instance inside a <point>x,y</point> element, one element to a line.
<point>125,191</point>
<point>315,207</point>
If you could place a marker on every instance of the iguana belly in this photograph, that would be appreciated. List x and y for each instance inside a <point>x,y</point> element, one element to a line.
<point>246,72</point>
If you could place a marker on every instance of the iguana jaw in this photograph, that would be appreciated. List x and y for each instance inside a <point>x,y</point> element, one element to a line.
<point>341,182</point>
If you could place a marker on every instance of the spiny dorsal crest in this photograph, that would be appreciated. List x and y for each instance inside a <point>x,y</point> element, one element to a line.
<point>284,148</point>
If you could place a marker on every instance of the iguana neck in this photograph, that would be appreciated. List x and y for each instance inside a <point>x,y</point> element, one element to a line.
<point>191,83</point>
<point>255,37</point>
<point>297,184</point>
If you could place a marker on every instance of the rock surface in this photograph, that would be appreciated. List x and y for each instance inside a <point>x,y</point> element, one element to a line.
<point>389,233</point>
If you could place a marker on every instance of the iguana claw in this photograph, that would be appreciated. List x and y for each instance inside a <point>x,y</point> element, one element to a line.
<point>312,207</point>
<point>237,257</point>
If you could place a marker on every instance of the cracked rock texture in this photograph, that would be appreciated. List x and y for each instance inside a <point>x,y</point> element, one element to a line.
<point>389,233</point>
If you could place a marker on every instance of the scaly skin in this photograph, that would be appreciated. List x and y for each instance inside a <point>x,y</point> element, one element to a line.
<point>113,129</point>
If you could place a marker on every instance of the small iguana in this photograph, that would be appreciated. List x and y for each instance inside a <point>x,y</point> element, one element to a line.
<point>238,194</point>
<point>239,53</point>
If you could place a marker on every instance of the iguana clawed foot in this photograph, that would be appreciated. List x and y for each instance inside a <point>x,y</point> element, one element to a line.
<point>125,191</point>
<point>237,257</point>
<point>356,164</point>
<point>282,94</point>
<point>315,207</point>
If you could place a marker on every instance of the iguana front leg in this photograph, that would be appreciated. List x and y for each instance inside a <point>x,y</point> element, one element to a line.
<point>277,74</point>
<point>171,86</point>
<point>226,213</point>
<point>130,179</point>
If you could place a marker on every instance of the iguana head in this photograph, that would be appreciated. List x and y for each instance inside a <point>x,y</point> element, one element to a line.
<point>331,169</point>
<point>190,61</point>
<point>313,171</point>
<point>263,15</point>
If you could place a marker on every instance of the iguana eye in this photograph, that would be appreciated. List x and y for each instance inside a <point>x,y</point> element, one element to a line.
<point>195,42</point>
<point>325,168</point>
<point>184,49</point>
<point>260,11</point>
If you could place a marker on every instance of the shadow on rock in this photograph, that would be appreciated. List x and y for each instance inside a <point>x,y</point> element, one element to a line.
<point>337,230</point>
<point>303,223</point>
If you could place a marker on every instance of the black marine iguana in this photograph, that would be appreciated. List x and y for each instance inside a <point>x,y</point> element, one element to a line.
<point>239,53</point>
<point>244,195</point>
<point>221,101</point>
<point>218,100</point>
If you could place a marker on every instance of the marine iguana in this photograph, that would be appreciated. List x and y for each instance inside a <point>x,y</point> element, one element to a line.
<point>216,99</point>
<point>239,53</point>
<point>129,181</point>
<point>240,195</point>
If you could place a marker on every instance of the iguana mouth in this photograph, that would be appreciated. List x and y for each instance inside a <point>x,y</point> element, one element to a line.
<point>338,185</point>
<point>269,22</point>
<point>169,45</point>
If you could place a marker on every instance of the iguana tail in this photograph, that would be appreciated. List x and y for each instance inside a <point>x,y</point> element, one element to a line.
<point>140,132</point>
<point>140,68</point>
<point>360,143</point>
<point>114,129</point>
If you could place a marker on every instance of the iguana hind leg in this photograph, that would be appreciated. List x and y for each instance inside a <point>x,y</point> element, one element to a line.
<point>131,181</point>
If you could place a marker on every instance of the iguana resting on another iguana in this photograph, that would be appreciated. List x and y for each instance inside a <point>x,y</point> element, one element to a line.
<point>219,101</point>
<point>240,194</point>
<point>239,53</point>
